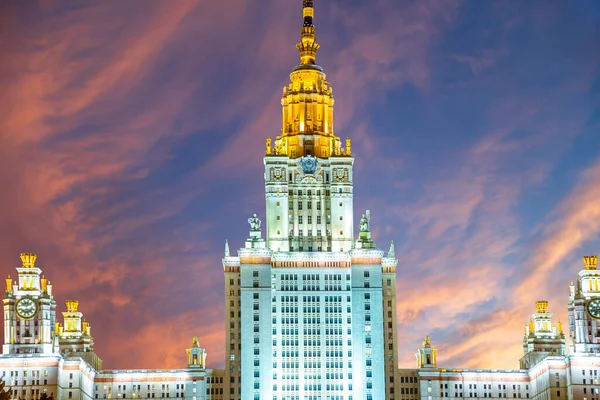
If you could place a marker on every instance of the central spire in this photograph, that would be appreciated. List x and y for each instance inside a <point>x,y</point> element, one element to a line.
<point>307,127</point>
<point>308,45</point>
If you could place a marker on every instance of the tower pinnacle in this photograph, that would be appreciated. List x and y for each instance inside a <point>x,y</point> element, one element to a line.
<point>308,45</point>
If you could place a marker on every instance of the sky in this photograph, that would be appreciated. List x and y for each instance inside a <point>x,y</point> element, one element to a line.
<point>132,135</point>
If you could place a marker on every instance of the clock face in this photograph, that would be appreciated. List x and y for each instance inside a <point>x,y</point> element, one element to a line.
<point>593,308</point>
<point>26,308</point>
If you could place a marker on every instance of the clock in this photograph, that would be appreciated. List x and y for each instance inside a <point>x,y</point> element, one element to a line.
<point>593,308</point>
<point>309,164</point>
<point>26,308</point>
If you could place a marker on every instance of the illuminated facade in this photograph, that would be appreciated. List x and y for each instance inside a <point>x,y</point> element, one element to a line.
<point>310,310</point>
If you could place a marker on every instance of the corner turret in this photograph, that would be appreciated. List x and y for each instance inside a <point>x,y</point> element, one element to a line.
<point>196,355</point>
<point>427,355</point>
<point>74,336</point>
<point>542,339</point>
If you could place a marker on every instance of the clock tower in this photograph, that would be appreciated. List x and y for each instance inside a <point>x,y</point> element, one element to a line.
<point>29,311</point>
<point>584,309</point>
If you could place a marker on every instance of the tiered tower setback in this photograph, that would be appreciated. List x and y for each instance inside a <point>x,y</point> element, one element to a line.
<point>308,175</point>
<point>317,308</point>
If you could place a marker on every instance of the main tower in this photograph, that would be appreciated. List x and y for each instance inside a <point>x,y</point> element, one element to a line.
<point>308,174</point>
<point>311,311</point>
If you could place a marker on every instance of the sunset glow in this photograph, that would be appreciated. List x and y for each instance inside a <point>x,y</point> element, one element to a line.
<point>132,137</point>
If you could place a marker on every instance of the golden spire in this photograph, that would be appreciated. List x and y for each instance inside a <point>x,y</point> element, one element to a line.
<point>308,45</point>
<point>307,127</point>
<point>590,262</point>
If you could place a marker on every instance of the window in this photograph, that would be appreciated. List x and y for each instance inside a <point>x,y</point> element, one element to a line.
<point>255,274</point>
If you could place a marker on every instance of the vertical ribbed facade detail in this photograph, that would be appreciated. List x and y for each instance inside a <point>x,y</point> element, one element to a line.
<point>233,344</point>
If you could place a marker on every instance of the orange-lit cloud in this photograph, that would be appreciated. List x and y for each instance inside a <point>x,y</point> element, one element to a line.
<point>131,140</point>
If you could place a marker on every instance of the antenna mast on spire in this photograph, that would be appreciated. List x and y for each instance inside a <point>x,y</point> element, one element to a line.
<point>308,46</point>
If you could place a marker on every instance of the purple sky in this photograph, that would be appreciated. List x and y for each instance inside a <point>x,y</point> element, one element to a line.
<point>132,137</point>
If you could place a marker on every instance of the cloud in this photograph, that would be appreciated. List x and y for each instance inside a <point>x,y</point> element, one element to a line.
<point>131,144</point>
<point>574,222</point>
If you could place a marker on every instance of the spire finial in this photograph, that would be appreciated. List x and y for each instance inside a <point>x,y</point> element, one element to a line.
<point>541,306</point>
<point>308,45</point>
<point>590,262</point>
<point>28,260</point>
<point>227,253</point>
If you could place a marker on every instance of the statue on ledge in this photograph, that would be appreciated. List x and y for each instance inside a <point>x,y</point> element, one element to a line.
<point>268,148</point>
<point>364,222</point>
<point>427,342</point>
<point>254,222</point>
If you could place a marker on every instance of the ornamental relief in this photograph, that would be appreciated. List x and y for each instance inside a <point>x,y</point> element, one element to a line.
<point>276,174</point>
<point>340,175</point>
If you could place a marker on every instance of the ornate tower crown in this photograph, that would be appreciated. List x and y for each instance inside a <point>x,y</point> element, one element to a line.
<point>542,306</point>
<point>307,102</point>
<point>590,262</point>
<point>72,305</point>
<point>28,260</point>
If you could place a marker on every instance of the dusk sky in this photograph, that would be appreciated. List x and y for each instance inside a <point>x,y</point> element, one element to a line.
<point>132,137</point>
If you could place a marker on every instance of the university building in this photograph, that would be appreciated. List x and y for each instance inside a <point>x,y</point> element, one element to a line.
<point>310,305</point>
